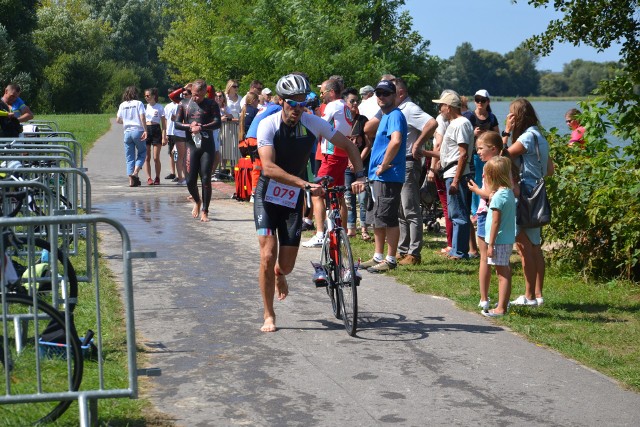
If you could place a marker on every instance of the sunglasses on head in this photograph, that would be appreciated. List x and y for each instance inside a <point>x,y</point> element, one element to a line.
<point>383,93</point>
<point>295,104</point>
<point>481,100</point>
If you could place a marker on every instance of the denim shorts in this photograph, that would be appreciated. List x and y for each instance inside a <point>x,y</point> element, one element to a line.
<point>481,221</point>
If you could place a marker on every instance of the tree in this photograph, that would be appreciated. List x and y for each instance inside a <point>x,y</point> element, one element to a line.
<point>596,191</point>
<point>266,39</point>
<point>17,21</point>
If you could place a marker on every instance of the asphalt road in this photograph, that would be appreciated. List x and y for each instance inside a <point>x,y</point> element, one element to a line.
<point>417,360</point>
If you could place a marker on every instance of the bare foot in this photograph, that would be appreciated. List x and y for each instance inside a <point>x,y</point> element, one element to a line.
<point>204,217</point>
<point>196,209</point>
<point>269,325</point>
<point>282,288</point>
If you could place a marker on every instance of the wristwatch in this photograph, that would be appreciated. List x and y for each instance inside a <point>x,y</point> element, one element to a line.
<point>505,133</point>
<point>360,174</point>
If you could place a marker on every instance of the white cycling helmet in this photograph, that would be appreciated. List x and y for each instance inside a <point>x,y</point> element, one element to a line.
<point>292,84</point>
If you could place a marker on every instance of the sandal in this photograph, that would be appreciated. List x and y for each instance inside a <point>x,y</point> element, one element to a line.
<point>149,181</point>
<point>365,235</point>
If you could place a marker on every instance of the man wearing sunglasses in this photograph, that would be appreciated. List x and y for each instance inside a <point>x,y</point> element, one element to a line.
<point>387,174</point>
<point>284,145</point>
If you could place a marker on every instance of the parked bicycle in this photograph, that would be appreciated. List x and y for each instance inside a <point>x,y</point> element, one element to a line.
<point>336,270</point>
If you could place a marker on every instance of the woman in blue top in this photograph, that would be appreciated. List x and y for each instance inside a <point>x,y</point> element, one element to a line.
<point>530,149</point>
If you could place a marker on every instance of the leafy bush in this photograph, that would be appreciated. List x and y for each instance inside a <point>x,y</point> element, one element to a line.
<point>595,196</point>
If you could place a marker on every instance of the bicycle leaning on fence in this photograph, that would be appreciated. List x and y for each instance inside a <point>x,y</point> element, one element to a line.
<point>336,271</point>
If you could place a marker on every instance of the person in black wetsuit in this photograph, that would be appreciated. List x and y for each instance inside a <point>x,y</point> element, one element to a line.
<point>284,145</point>
<point>199,117</point>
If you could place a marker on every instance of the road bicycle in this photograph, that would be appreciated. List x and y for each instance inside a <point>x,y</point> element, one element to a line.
<point>336,271</point>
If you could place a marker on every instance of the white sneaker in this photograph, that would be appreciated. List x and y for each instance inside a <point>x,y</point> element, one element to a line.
<point>314,242</point>
<point>540,301</point>
<point>251,199</point>
<point>484,305</point>
<point>523,301</point>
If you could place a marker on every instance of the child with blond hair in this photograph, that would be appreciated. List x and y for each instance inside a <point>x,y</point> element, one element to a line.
<point>488,146</point>
<point>500,228</point>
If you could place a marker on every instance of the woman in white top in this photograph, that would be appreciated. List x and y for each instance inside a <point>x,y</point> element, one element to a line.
<point>157,133</point>
<point>131,114</point>
<point>233,99</point>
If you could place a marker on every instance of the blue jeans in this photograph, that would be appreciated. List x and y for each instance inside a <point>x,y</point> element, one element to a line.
<point>350,199</point>
<point>458,206</point>
<point>475,199</point>
<point>132,142</point>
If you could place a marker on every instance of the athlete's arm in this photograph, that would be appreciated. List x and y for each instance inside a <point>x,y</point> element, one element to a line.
<point>214,116</point>
<point>271,170</point>
<point>341,141</point>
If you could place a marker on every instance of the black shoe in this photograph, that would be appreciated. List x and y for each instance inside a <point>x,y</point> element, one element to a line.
<point>307,227</point>
<point>170,176</point>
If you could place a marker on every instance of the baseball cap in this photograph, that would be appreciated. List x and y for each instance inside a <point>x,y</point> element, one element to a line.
<point>266,91</point>
<point>386,85</point>
<point>366,89</point>
<point>483,93</point>
<point>450,98</point>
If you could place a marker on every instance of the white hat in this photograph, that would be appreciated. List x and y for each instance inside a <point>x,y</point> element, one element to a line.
<point>266,91</point>
<point>483,93</point>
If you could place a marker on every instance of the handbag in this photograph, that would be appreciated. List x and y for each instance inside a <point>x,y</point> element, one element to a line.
<point>534,209</point>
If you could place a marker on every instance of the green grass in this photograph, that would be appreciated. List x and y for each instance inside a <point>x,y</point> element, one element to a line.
<point>86,128</point>
<point>113,412</point>
<point>594,323</point>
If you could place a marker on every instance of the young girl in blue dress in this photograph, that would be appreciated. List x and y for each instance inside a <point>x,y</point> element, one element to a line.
<point>500,228</point>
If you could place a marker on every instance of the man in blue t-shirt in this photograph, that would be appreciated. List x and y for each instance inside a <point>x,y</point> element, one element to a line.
<point>387,174</point>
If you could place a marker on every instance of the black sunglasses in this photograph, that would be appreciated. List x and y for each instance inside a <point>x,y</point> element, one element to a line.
<point>481,100</point>
<point>383,93</point>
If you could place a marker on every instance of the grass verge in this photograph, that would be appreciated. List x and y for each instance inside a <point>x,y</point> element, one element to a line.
<point>87,128</point>
<point>595,323</point>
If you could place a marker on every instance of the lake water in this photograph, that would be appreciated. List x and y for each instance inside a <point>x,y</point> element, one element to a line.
<point>550,113</point>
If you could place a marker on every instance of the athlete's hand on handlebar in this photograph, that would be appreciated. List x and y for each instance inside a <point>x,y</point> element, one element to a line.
<point>359,185</point>
<point>314,189</point>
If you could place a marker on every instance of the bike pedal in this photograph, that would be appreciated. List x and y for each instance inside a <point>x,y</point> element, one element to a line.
<point>321,283</point>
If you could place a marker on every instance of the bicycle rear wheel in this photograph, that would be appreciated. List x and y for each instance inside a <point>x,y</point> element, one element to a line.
<point>329,268</point>
<point>36,368</point>
<point>347,289</point>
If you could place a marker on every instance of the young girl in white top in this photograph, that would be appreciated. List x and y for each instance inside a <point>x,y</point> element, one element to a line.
<point>488,145</point>
<point>157,133</point>
<point>500,229</point>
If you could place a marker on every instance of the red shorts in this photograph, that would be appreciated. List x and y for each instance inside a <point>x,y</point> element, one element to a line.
<point>334,166</point>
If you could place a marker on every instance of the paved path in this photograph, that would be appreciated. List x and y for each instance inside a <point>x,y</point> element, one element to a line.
<point>417,360</point>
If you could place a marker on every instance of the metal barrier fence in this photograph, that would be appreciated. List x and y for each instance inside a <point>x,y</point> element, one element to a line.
<point>44,124</point>
<point>44,374</point>
<point>71,143</point>
<point>229,144</point>
<point>64,184</point>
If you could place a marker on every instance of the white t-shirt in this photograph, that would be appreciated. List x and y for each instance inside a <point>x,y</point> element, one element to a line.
<point>130,112</point>
<point>170,111</point>
<point>234,106</point>
<point>460,131</point>
<point>154,113</point>
<point>338,114</point>
<point>369,107</point>
<point>416,121</point>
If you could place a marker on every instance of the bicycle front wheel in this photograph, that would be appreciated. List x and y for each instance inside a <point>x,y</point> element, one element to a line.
<point>33,368</point>
<point>331,272</point>
<point>347,289</point>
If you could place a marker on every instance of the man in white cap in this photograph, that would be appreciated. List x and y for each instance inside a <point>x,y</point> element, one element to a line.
<point>264,100</point>
<point>366,92</point>
<point>455,150</point>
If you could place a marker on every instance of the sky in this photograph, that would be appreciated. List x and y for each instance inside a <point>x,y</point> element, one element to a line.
<point>494,25</point>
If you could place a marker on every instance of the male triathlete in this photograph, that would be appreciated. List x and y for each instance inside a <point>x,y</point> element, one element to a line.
<point>284,145</point>
<point>199,117</point>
